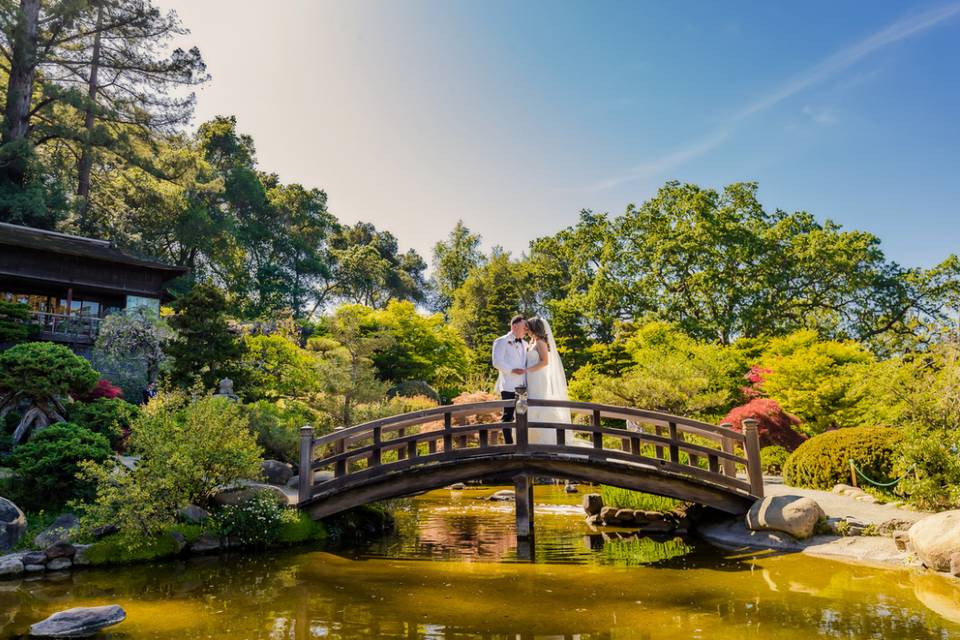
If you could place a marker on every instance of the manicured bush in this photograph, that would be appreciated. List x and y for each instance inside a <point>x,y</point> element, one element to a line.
<point>44,376</point>
<point>110,417</point>
<point>775,426</point>
<point>47,465</point>
<point>15,323</point>
<point>772,459</point>
<point>412,388</point>
<point>824,460</point>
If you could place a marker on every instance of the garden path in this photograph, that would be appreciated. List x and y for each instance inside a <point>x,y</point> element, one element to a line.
<point>838,506</point>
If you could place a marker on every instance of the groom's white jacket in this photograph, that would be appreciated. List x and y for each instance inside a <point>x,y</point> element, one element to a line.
<point>509,353</point>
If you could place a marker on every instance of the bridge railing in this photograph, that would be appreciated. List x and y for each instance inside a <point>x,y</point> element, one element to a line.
<point>671,444</point>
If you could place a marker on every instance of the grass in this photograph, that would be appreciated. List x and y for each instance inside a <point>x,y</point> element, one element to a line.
<point>626,499</point>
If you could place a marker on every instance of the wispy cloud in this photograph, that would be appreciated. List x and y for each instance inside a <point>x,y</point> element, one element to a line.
<point>821,116</point>
<point>832,65</point>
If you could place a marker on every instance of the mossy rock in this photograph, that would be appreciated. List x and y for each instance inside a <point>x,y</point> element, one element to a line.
<point>303,529</point>
<point>824,461</point>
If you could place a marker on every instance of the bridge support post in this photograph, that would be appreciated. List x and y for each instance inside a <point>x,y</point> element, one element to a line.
<point>523,494</point>
<point>305,488</point>
<point>751,446</point>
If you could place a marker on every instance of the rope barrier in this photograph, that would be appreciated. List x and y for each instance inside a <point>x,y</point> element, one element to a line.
<point>853,465</point>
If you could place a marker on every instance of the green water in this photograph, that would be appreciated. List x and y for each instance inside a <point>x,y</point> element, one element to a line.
<point>453,571</point>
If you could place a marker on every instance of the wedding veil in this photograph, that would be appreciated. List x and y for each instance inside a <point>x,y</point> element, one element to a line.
<point>556,376</point>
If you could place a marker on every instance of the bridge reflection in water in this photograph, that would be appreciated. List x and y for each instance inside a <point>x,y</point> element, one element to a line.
<point>623,447</point>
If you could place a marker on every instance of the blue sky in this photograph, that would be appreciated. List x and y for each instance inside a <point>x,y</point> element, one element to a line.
<point>514,116</point>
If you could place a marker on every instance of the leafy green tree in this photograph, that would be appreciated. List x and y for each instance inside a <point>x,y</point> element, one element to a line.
<point>110,417</point>
<point>205,347</point>
<point>188,450</point>
<point>453,260</point>
<point>47,465</point>
<point>15,323</point>
<point>816,379</point>
<point>370,269</point>
<point>274,368</point>
<point>44,376</point>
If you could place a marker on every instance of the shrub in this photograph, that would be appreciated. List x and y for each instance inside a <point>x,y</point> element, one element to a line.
<point>15,323</point>
<point>253,523</point>
<point>103,389</point>
<point>130,346</point>
<point>43,375</point>
<point>776,426</point>
<point>47,465</point>
<point>110,417</point>
<point>188,449</point>
<point>412,388</point>
<point>206,348</point>
<point>824,461</point>
<point>277,426</point>
<point>772,459</point>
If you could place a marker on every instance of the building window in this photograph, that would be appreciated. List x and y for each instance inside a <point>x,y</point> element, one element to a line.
<point>141,302</point>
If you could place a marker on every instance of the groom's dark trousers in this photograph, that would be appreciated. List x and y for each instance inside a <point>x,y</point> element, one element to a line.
<point>508,415</point>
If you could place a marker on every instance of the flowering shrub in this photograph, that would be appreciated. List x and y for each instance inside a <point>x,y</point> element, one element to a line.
<point>255,522</point>
<point>776,426</point>
<point>103,389</point>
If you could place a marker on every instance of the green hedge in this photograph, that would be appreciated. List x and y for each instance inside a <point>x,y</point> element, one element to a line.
<point>823,461</point>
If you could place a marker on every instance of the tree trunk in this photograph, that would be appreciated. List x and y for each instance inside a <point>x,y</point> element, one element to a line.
<point>23,67</point>
<point>86,157</point>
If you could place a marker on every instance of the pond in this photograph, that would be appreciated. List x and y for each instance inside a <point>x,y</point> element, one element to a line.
<point>453,570</point>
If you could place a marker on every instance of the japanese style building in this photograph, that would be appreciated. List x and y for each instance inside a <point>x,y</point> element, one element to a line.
<point>72,282</point>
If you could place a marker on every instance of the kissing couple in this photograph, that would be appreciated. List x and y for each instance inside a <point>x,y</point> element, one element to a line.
<point>527,356</point>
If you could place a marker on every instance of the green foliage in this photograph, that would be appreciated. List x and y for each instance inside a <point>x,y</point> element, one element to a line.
<point>277,426</point>
<point>274,367</point>
<point>253,523</point>
<point>297,527</point>
<point>47,465</point>
<point>42,371</point>
<point>824,460</point>
<point>392,407</point>
<point>15,323</point>
<point>453,260</point>
<point>413,388</point>
<point>930,451</point>
<point>816,380</point>
<point>187,450</point>
<point>626,499</point>
<point>130,346</point>
<point>121,549</point>
<point>205,349</point>
<point>637,551</point>
<point>110,417</point>
<point>772,459</point>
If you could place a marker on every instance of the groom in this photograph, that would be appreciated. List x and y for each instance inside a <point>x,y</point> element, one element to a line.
<point>510,359</point>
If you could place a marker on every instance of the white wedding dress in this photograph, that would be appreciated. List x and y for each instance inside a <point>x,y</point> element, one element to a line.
<point>548,383</point>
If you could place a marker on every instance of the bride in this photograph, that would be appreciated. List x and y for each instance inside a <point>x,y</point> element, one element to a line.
<point>546,380</point>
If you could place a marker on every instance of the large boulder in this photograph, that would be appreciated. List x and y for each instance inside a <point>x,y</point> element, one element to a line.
<point>192,514</point>
<point>246,491</point>
<point>11,565</point>
<point>60,531</point>
<point>276,472</point>
<point>935,538</point>
<point>80,622</point>
<point>13,524</point>
<point>795,515</point>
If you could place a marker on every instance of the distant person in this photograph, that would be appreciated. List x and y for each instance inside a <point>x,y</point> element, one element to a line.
<point>150,391</point>
<point>510,360</point>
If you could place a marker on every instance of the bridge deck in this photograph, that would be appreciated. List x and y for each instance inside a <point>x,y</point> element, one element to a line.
<point>630,448</point>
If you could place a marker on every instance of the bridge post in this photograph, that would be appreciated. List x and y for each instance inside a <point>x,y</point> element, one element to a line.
<point>726,444</point>
<point>751,446</point>
<point>520,418</point>
<point>305,488</point>
<point>523,501</point>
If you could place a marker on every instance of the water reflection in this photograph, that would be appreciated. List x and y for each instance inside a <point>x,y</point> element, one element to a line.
<point>611,588</point>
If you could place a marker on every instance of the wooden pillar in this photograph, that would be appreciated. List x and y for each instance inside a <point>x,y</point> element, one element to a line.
<point>751,445</point>
<point>726,444</point>
<point>306,463</point>
<point>523,494</point>
<point>520,418</point>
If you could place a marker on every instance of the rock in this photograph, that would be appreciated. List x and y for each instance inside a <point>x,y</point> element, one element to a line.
<point>888,527</point>
<point>592,503</point>
<point>504,495</point>
<point>276,472</point>
<point>13,524</point>
<point>34,568</point>
<point>657,527</point>
<point>294,482</point>
<point>647,516</point>
<point>104,531</point>
<point>58,564</point>
<point>60,550</point>
<point>594,520</point>
<point>955,564</point>
<point>901,539</point>
<point>571,488</point>
<point>59,531</point>
<point>35,557</point>
<point>608,515</point>
<point>192,514</point>
<point>11,565</point>
<point>794,515</point>
<point>243,493</point>
<point>79,622</point>
<point>80,558</point>
<point>935,538</point>
<point>180,540</point>
<point>625,516</point>
<point>866,497</point>
<point>458,486</point>
<point>840,488</point>
<point>206,543</point>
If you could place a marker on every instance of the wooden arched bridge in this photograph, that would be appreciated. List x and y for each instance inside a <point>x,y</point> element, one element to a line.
<point>629,448</point>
